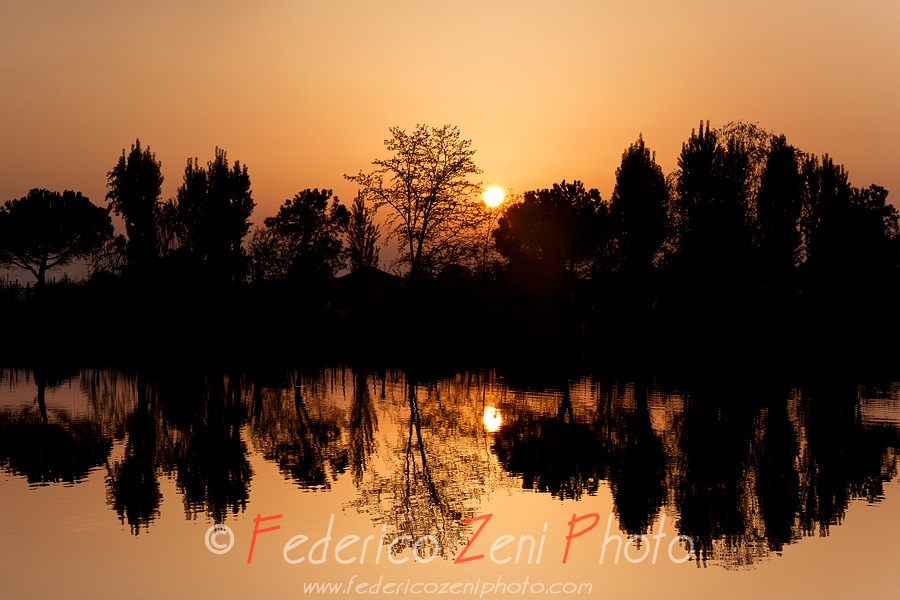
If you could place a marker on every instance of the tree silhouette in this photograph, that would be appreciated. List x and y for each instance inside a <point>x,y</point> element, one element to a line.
<point>167,228</point>
<point>434,207</point>
<point>214,208</point>
<point>694,179</point>
<point>308,229</point>
<point>269,255</point>
<point>362,236</point>
<point>850,235</point>
<point>712,217</point>
<point>827,194</point>
<point>778,210</point>
<point>550,236</point>
<point>875,239</point>
<point>639,208</point>
<point>47,229</point>
<point>638,220</point>
<point>110,256</point>
<point>135,185</point>
<point>750,144</point>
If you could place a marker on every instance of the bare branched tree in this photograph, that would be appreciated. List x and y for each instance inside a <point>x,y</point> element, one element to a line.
<point>435,209</point>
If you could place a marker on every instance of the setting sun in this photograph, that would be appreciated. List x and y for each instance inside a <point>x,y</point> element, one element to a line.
<point>493,196</point>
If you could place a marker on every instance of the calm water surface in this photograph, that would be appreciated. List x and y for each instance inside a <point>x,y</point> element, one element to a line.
<point>110,482</point>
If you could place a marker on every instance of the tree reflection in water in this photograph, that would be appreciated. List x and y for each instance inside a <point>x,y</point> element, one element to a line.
<point>186,425</point>
<point>363,427</point>
<point>210,458</point>
<point>743,469</point>
<point>435,472</point>
<point>50,446</point>
<point>133,482</point>
<point>636,456</point>
<point>301,436</point>
<point>553,452</point>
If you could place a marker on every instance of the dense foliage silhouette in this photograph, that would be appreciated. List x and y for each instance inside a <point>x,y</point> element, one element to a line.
<point>214,208</point>
<point>135,188</point>
<point>45,230</point>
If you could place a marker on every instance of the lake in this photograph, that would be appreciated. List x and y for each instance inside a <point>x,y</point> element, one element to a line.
<point>488,482</point>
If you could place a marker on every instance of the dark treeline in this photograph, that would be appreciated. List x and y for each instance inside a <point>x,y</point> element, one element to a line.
<point>747,236</point>
<point>746,226</point>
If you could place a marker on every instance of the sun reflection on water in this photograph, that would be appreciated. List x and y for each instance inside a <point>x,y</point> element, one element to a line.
<point>491,418</point>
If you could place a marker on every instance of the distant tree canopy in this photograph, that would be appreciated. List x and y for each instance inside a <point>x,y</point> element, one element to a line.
<point>304,238</point>
<point>550,236</point>
<point>135,185</point>
<point>434,208</point>
<point>214,205</point>
<point>47,229</point>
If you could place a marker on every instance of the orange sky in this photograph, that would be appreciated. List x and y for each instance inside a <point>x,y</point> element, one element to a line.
<point>303,92</point>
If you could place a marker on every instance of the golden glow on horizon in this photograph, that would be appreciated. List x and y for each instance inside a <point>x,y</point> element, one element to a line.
<point>285,100</point>
<point>491,418</point>
<point>493,196</point>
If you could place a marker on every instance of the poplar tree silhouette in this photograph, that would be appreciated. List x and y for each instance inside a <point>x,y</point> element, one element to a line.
<point>214,208</point>
<point>135,185</point>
